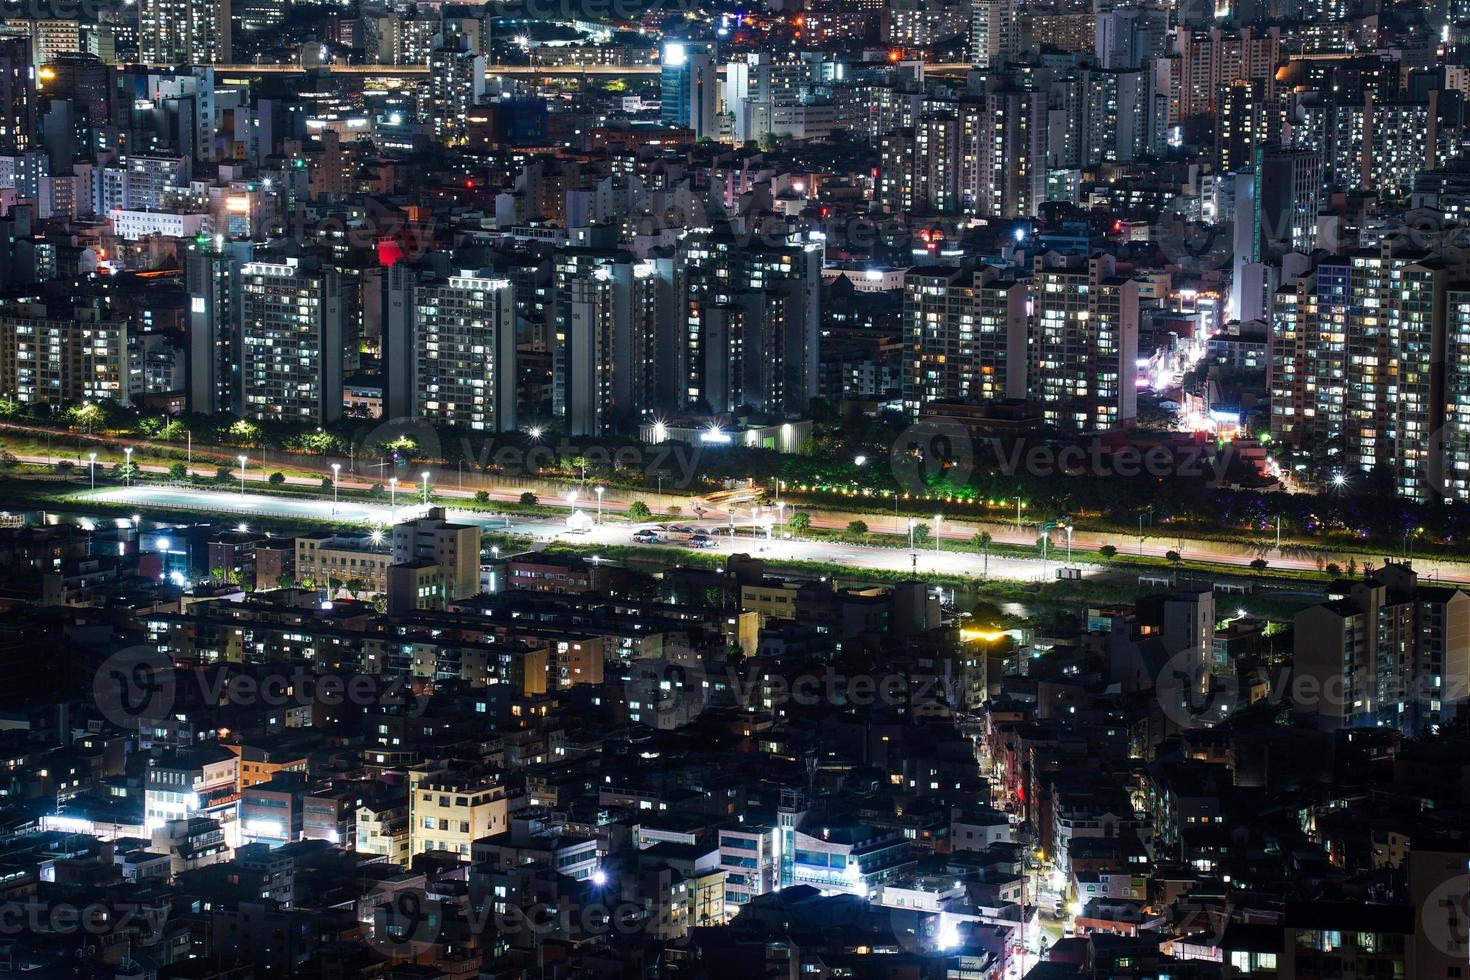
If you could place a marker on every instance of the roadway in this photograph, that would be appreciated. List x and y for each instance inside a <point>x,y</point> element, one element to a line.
<point>1152,543</point>
<point>755,540</point>
<point>564,71</point>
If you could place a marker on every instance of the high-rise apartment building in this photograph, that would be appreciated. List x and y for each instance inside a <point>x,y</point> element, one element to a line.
<point>291,341</point>
<point>1085,342</point>
<point>1391,652</point>
<point>995,32</point>
<point>688,86</point>
<point>463,351</point>
<point>613,339</point>
<point>1356,369</point>
<point>17,94</point>
<point>456,83</point>
<point>965,335</point>
<point>747,322</point>
<point>50,360</point>
<point>212,278</point>
<point>184,32</point>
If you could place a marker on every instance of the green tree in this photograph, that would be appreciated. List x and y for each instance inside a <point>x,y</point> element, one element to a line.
<point>1334,569</point>
<point>675,510</point>
<point>921,533</point>
<point>178,472</point>
<point>355,587</point>
<point>857,529</point>
<point>276,479</point>
<point>223,475</point>
<point>528,499</point>
<point>328,483</point>
<point>482,496</point>
<point>639,511</point>
<point>1173,556</point>
<point>86,417</point>
<point>1108,551</point>
<point>219,574</point>
<point>801,522</point>
<point>334,585</point>
<point>982,540</point>
<point>284,581</point>
<point>1259,565</point>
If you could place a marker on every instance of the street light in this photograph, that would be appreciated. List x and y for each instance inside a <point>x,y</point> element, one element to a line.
<point>425,475</point>
<point>336,474</point>
<point>241,458</point>
<point>859,460</point>
<point>1069,546</point>
<point>92,468</point>
<point>128,466</point>
<point>393,498</point>
<point>937,519</point>
<point>912,522</point>
<point>599,503</point>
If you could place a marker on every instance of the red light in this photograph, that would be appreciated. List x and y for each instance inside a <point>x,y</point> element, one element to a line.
<point>389,252</point>
<point>1117,227</point>
<point>895,54</point>
<point>469,183</point>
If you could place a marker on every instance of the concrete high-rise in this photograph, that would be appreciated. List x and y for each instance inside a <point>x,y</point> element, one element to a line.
<point>687,88</point>
<point>184,32</point>
<point>291,341</point>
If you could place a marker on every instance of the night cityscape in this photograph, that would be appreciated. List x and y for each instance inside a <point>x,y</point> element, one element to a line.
<point>788,490</point>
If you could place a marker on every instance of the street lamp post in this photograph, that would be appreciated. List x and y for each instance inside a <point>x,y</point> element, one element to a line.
<point>425,475</point>
<point>92,468</point>
<point>241,458</point>
<point>1069,546</point>
<point>336,475</point>
<point>599,503</point>
<point>937,519</point>
<point>128,466</point>
<point>393,498</point>
<point>912,522</point>
<point>1018,515</point>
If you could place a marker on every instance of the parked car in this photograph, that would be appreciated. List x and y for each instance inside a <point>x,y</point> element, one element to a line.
<point>645,537</point>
